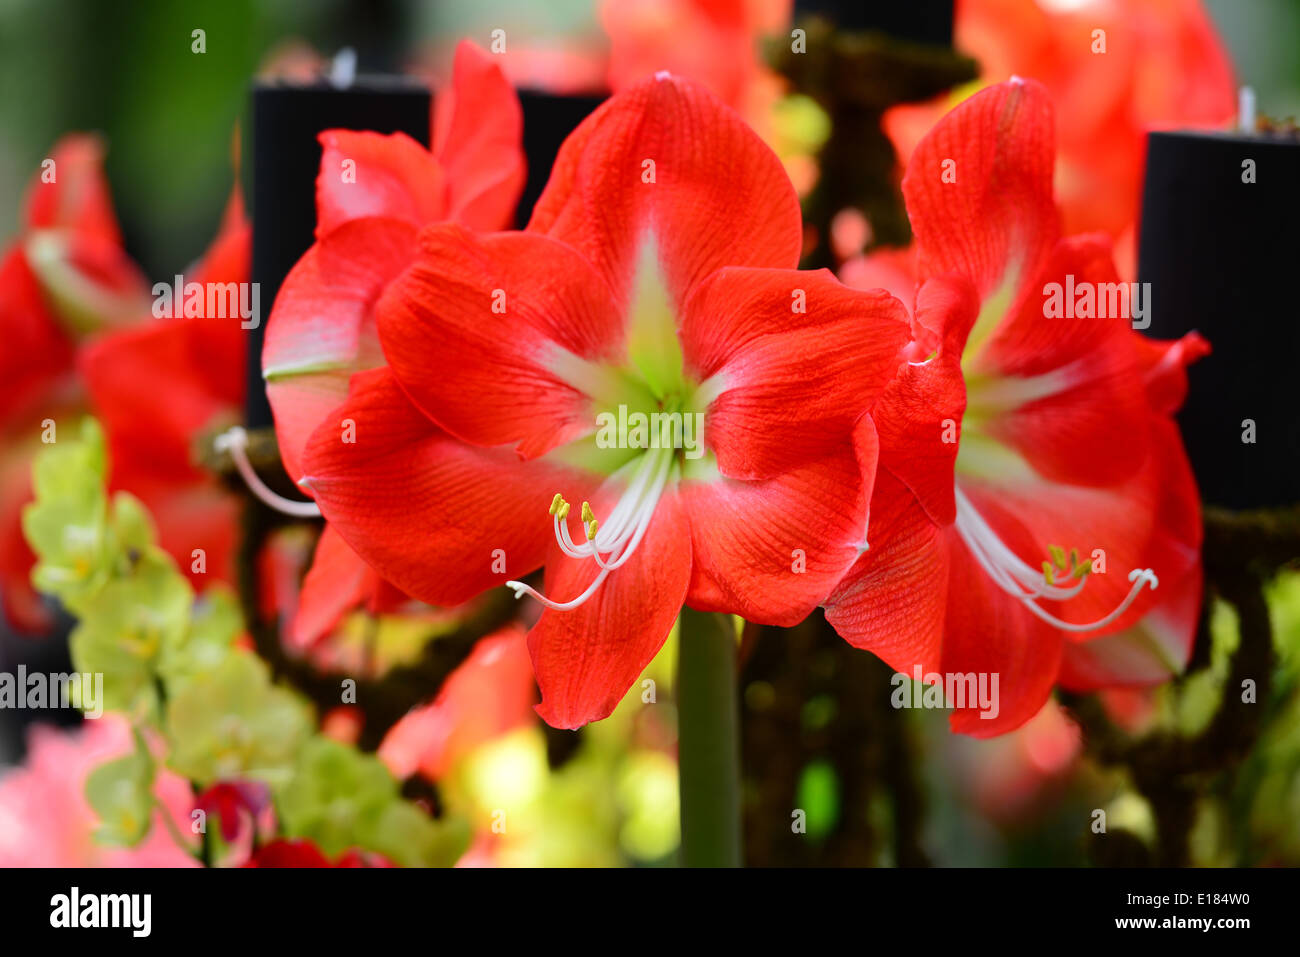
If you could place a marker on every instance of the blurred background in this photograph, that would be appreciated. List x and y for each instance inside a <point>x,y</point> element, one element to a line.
<point>169,118</point>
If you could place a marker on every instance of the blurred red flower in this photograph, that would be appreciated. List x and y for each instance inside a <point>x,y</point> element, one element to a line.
<point>64,275</point>
<point>1114,70</point>
<point>1066,442</point>
<point>322,328</point>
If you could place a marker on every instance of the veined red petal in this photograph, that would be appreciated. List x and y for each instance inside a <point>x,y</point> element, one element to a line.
<point>892,601</point>
<point>514,310</point>
<point>586,658</point>
<point>322,327</point>
<point>797,358</point>
<point>919,415</point>
<point>979,188</point>
<point>987,633</point>
<point>1065,392</point>
<point>772,549</point>
<point>439,519</point>
<point>666,161</point>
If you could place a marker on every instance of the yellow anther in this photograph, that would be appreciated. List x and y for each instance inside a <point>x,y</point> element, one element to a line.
<point>1074,558</point>
<point>587,514</point>
<point>563,512</point>
<point>591,529</point>
<point>556,503</point>
<point>1058,555</point>
<point>1082,570</point>
<point>1048,575</point>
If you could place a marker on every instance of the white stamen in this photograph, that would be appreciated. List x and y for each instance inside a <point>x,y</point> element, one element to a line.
<point>1246,109</point>
<point>235,441</point>
<point>1017,579</point>
<point>618,536</point>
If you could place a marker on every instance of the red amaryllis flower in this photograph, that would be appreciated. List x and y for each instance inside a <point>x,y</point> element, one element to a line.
<point>65,274</point>
<point>322,327</point>
<point>161,385</point>
<point>1022,549</point>
<point>1155,63</point>
<point>656,278</point>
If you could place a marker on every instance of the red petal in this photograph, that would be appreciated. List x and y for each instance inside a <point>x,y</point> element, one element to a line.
<point>996,220</point>
<point>1087,425</point>
<point>372,174</point>
<point>491,693</point>
<point>37,351</point>
<point>149,389</point>
<point>793,383</point>
<point>1164,368</point>
<point>426,511</point>
<point>505,385</point>
<point>986,632</point>
<point>483,161</point>
<point>1150,521</point>
<point>892,601</point>
<point>918,418</point>
<point>585,659</point>
<point>322,327</point>
<point>78,197</point>
<point>729,204</point>
<point>771,550</point>
<point>337,582</point>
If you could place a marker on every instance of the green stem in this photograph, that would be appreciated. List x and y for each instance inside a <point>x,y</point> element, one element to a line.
<point>708,730</point>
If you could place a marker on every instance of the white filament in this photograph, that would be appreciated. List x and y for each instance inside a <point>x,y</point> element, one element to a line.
<point>619,535</point>
<point>1017,579</point>
<point>235,441</point>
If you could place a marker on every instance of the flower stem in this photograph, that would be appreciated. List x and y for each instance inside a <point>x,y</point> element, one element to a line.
<point>708,740</point>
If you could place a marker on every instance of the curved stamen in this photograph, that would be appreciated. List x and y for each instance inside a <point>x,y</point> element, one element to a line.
<point>235,441</point>
<point>1017,579</point>
<point>611,543</point>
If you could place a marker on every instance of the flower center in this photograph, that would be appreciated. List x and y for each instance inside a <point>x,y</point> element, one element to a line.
<point>1019,580</point>
<point>612,542</point>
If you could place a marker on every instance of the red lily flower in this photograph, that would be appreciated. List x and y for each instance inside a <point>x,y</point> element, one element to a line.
<point>66,273</point>
<point>1163,65</point>
<point>322,328</point>
<point>157,386</point>
<point>1066,442</point>
<point>656,277</point>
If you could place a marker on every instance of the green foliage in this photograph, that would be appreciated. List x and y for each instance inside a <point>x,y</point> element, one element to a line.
<point>171,662</point>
